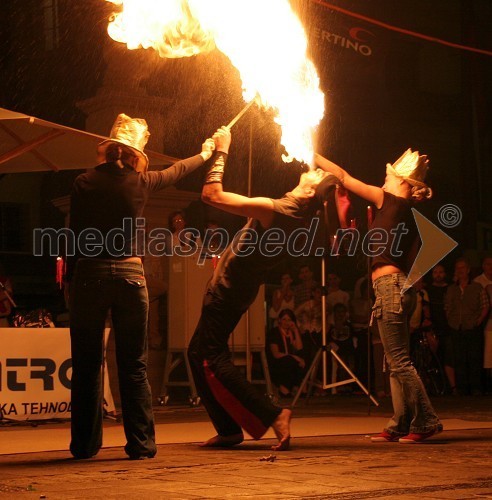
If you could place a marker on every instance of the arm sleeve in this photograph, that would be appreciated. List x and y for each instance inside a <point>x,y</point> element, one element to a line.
<point>160,179</point>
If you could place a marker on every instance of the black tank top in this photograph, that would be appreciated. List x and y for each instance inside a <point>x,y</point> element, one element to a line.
<point>395,217</point>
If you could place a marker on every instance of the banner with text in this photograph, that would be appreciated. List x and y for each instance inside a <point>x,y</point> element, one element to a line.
<point>36,373</point>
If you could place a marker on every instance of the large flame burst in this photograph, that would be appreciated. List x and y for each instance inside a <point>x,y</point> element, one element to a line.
<point>263,39</point>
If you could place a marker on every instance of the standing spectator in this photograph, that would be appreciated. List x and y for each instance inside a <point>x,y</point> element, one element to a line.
<point>283,298</point>
<point>421,316</point>
<point>302,291</point>
<point>285,353</point>
<point>156,288</point>
<point>309,319</point>
<point>180,236</point>
<point>308,314</point>
<point>360,312</point>
<point>5,301</point>
<point>485,279</point>
<point>487,355</point>
<point>113,281</point>
<point>467,306</point>
<point>445,351</point>
<point>215,242</point>
<point>335,296</point>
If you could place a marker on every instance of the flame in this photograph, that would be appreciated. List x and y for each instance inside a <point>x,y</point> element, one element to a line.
<point>263,39</point>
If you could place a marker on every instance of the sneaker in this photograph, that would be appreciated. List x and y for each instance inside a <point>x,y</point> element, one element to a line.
<point>384,437</point>
<point>416,437</point>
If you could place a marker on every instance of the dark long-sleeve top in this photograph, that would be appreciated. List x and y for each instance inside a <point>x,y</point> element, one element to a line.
<point>110,199</point>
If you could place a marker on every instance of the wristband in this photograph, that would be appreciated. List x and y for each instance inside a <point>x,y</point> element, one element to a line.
<point>216,171</point>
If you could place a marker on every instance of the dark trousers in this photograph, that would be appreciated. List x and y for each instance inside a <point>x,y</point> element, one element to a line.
<point>468,360</point>
<point>286,371</point>
<point>230,400</point>
<point>100,287</point>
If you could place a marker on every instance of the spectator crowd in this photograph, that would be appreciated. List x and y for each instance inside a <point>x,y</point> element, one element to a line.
<point>452,318</point>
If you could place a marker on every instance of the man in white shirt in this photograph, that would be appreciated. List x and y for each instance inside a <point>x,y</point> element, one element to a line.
<point>486,277</point>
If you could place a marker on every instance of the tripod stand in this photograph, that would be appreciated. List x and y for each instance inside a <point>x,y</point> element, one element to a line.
<point>324,350</point>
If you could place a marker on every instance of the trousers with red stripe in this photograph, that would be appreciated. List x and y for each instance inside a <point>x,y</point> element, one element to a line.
<point>231,401</point>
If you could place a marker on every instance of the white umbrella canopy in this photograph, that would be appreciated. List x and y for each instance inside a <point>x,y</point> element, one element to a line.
<point>29,144</point>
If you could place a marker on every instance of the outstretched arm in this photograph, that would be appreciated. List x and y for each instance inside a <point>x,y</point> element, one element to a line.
<point>161,179</point>
<point>370,193</point>
<point>213,193</point>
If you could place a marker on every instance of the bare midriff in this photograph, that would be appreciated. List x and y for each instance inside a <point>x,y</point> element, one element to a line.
<point>137,260</point>
<point>384,270</point>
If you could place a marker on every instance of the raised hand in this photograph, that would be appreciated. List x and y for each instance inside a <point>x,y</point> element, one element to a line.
<point>222,139</point>
<point>208,148</point>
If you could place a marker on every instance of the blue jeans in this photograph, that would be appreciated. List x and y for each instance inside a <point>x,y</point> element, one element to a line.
<point>413,412</point>
<point>100,287</point>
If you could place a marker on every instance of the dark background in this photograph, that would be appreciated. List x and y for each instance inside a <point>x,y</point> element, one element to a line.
<point>399,92</point>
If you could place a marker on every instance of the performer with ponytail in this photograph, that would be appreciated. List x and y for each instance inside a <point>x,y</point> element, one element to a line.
<point>232,403</point>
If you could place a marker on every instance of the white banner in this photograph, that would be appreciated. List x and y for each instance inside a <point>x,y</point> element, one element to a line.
<point>36,373</point>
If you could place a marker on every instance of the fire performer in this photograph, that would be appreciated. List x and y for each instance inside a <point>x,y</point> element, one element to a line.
<point>231,401</point>
<point>102,198</point>
<point>414,418</point>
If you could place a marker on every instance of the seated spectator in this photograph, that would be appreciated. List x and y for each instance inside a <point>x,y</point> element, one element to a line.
<point>341,336</point>
<point>302,291</point>
<point>282,298</point>
<point>284,348</point>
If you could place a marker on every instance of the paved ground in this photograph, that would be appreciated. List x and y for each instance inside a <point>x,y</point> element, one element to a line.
<point>453,465</point>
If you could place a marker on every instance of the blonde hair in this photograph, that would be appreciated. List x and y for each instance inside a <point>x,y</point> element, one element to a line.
<point>309,181</point>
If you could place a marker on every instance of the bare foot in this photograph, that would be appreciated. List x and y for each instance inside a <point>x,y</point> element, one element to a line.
<point>281,426</point>
<point>223,441</point>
